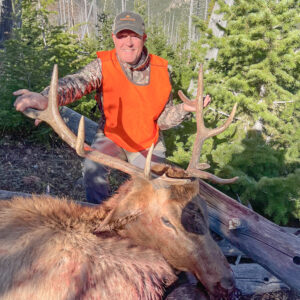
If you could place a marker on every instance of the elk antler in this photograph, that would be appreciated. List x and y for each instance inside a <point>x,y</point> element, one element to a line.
<point>203,133</point>
<point>52,116</point>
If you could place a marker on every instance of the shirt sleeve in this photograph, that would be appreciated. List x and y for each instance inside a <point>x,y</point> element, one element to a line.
<point>74,87</point>
<point>172,115</point>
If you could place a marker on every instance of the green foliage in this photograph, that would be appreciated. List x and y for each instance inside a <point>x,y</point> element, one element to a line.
<point>104,26</point>
<point>27,60</point>
<point>258,67</point>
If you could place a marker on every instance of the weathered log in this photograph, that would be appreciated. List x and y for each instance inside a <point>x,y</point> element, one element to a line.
<point>230,251</point>
<point>263,241</point>
<point>6,195</point>
<point>254,279</point>
<point>72,118</point>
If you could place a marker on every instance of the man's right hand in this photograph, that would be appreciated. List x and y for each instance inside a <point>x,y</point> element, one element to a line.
<point>27,99</point>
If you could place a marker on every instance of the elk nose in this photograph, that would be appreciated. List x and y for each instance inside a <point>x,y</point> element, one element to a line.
<point>227,283</point>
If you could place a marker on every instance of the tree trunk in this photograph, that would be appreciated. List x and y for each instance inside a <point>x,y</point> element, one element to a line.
<point>123,5</point>
<point>206,9</point>
<point>172,29</point>
<point>148,12</point>
<point>60,13</point>
<point>72,16</point>
<point>87,17</point>
<point>213,21</point>
<point>64,11</point>
<point>6,23</point>
<point>190,25</point>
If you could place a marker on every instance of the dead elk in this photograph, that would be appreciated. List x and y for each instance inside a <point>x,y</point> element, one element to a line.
<point>122,249</point>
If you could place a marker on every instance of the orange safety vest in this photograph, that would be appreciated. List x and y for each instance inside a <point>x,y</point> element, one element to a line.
<point>131,110</point>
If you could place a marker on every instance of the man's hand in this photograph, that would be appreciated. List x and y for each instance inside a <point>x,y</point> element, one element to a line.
<point>192,107</point>
<point>27,99</point>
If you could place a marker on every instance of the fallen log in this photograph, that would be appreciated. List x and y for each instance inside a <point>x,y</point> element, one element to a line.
<point>7,195</point>
<point>72,118</point>
<point>254,279</point>
<point>261,240</point>
<point>277,250</point>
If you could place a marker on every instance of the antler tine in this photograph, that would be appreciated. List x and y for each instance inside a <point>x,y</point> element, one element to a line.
<point>52,116</point>
<point>216,131</point>
<point>201,129</point>
<point>147,169</point>
<point>211,177</point>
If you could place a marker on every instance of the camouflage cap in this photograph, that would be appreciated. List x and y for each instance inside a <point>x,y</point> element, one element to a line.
<point>129,20</point>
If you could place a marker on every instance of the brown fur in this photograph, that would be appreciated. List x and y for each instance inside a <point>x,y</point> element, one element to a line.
<point>123,249</point>
<point>48,250</point>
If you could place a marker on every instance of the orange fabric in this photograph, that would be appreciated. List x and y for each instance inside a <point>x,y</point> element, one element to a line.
<point>131,111</point>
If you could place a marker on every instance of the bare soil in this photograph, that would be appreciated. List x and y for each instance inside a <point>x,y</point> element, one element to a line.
<point>33,168</point>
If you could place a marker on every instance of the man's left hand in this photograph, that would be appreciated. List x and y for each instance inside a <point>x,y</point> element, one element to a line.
<point>192,106</point>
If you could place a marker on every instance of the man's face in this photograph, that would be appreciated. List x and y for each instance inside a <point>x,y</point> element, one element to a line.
<point>129,46</point>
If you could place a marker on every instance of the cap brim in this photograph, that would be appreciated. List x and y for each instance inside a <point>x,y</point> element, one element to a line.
<point>128,27</point>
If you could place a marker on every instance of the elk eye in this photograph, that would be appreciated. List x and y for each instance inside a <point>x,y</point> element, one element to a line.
<point>167,223</point>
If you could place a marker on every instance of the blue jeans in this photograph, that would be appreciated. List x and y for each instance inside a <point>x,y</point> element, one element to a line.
<point>95,174</point>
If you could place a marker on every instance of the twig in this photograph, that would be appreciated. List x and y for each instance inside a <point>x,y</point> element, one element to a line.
<point>283,102</point>
<point>221,113</point>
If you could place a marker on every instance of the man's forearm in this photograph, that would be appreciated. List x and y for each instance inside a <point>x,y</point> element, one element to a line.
<point>172,115</point>
<point>74,87</point>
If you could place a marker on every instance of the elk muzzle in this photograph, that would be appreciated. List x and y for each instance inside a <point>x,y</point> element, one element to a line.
<point>212,269</point>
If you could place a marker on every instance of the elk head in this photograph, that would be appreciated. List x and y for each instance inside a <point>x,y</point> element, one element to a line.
<point>161,204</point>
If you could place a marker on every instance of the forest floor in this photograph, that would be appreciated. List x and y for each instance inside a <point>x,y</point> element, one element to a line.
<point>36,169</point>
<point>33,168</point>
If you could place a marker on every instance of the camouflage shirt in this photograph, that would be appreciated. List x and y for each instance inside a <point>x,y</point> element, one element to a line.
<point>74,87</point>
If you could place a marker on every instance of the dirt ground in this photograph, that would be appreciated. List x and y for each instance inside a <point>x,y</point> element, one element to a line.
<point>32,168</point>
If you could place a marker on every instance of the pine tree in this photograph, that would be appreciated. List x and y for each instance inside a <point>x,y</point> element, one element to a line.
<point>258,66</point>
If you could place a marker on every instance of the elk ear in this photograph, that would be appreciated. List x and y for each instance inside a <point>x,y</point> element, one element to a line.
<point>114,222</point>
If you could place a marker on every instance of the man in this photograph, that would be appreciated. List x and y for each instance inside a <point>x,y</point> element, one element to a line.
<point>134,97</point>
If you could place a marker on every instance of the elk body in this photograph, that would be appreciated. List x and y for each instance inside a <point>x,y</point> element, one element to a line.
<point>57,249</point>
<point>125,248</point>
